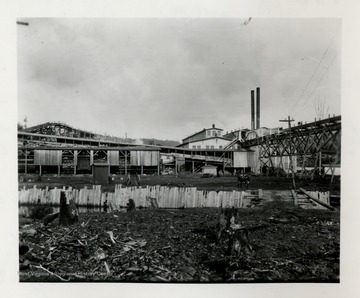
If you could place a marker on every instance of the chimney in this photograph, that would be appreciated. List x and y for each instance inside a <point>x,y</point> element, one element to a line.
<point>213,126</point>
<point>258,107</point>
<point>252,110</point>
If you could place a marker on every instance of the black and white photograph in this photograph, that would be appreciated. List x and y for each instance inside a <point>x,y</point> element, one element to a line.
<point>173,149</point>
<point>179,150</point>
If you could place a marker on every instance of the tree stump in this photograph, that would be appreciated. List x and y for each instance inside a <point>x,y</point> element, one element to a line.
<point>69,214</point>
<point>131,205</point>
<point>236,235</point>
<point>239,242</point>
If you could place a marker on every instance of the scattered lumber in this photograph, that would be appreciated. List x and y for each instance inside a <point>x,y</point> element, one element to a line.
<point>316,200</point>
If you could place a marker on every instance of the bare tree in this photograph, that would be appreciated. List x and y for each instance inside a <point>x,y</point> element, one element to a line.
<point>321,108</point>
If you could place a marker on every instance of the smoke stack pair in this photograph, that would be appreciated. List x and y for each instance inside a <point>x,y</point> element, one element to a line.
<point>257,114</point>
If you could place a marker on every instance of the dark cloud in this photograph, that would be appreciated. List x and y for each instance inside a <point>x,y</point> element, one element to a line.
<point>166,78</point>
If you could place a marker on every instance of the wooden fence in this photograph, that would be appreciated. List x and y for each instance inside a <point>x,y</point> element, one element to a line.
<point>167,197</point>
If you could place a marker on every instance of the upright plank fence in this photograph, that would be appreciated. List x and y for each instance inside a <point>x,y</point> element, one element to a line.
<point>167,197</point>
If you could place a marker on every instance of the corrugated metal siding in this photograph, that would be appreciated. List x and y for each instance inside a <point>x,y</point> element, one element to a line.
<point>101,174</point>
<point>251,159</point>
<point>113,158</point>
<point>145,158</point>
<point>47,157</point>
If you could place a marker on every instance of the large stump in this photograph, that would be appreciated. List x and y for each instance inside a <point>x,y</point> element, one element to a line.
<point>228,229</point>
<point>69,214</point>
<point>131,205</point>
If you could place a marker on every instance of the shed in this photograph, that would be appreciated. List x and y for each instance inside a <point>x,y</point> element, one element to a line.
<point>101,173</point>
<point>209,169</point>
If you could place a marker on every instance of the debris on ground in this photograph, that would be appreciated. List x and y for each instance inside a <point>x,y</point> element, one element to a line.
<point>283,243</point>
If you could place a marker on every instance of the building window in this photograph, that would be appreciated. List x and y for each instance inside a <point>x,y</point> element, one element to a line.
<point>194,147</point>
<point>207,146</point>
<point>199,146</point>
<point>220,147</point>
<point>208,133</point>
<point>214,133</point>
<point>212,147</point>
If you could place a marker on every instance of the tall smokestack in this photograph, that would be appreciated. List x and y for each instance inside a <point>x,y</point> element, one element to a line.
<point>258,107</point>
<point>252,110</point>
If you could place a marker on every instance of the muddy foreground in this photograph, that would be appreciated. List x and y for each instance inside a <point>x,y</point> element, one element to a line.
<point>288,245</point>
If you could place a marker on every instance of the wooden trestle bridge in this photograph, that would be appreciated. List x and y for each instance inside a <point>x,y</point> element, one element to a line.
<point>314,145</point>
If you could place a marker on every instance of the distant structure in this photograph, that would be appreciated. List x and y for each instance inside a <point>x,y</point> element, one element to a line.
<point>208,138</point>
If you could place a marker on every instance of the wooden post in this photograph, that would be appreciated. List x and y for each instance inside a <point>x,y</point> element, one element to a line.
<point>40,170</point>
<point>142,170</point>
<point>75,161</point>
<point>193,168</point>
<point>25,161</point>
<point>108,161</point>
<point>91,157</point>
<point>125,163</point>
<point>315,166</point>
<point>158,163</point>
<point>175,165</point>
<point>58,170</point>
<point>294,197</point>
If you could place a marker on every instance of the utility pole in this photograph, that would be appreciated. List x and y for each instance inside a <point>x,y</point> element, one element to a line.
<point>288,120</point>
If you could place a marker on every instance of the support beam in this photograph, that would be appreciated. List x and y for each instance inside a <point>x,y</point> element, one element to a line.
<point>26,161</point>
<point>176,169</point>
<point>252,110</point>
<point>126,165</point>
<point>158,164</point>
<point>316,200</point>
<point>257,108</point>
<point>75,161</point>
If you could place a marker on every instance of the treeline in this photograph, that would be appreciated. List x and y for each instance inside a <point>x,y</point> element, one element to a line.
<point>105,137</point>
<point>157,142</point>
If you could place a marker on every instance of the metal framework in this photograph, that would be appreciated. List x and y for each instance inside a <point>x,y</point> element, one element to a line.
<point>313,144</point>
<point>59,129</point>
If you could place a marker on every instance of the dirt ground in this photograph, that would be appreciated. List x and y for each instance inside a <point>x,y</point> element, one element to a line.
<point>289,244</point>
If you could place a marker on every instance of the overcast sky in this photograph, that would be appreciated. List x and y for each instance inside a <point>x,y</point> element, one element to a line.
<point>168,78</point>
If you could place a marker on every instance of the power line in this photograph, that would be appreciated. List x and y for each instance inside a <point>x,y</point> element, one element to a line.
<point>327,69</point>
<point>311,78</point>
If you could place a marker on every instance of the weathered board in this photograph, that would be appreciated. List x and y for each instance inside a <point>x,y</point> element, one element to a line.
<point>144,158</point>
<point>47,157</point>
<point>166,197</point>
